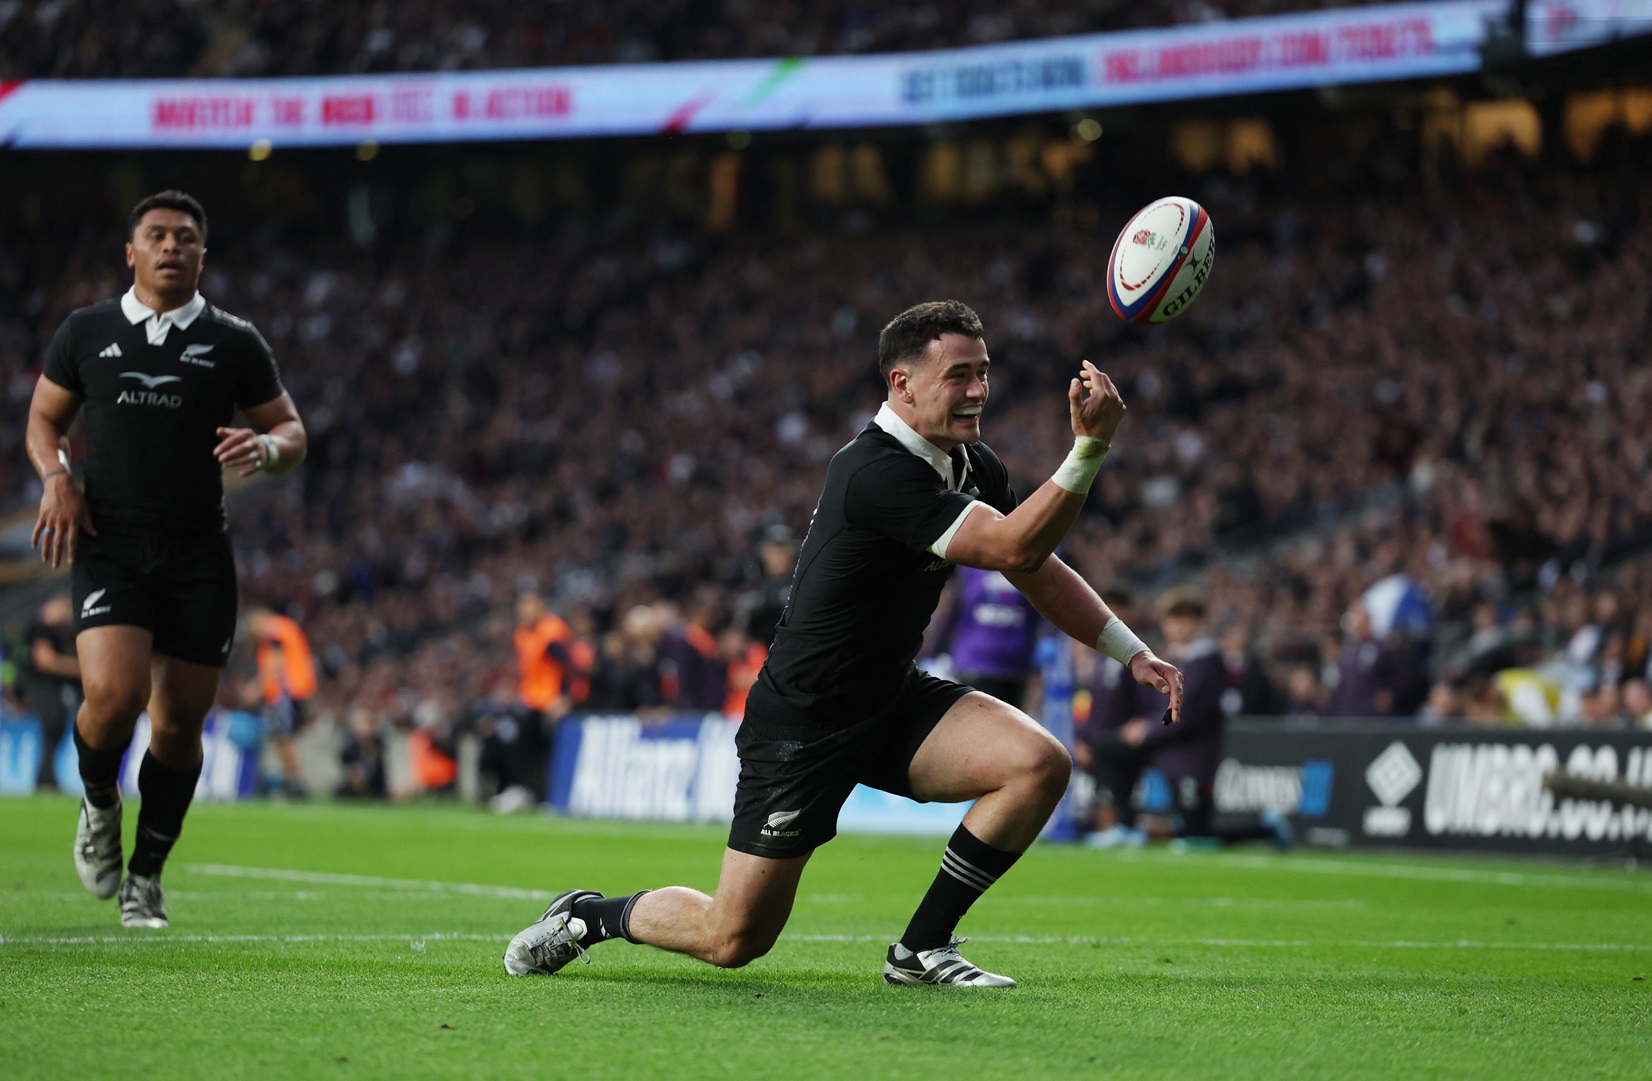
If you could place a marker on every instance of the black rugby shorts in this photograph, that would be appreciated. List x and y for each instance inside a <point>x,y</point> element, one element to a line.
<point>179,588</point>
<point>793,782</point>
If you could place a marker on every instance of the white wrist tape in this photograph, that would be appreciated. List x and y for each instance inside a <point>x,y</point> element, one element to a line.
<point>1119,641</point>
<point>272,453</point>
<point>1078,472</point>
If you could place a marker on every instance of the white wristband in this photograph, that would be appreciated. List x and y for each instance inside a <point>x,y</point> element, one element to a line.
<point>1119,641</point>
<point>1078,472</point>
<point>272,453</point>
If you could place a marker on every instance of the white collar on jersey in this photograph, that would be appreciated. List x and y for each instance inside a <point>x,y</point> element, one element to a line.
<point>159,323</point>
<point>939,460</point>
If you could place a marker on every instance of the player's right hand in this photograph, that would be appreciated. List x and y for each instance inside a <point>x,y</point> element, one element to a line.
<point>1096,405</point>
<point>63,516</point>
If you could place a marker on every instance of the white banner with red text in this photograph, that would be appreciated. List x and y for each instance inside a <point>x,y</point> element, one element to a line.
<point>1242,56</point>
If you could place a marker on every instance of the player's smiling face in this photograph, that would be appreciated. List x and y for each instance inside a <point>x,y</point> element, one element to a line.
<point>165,254</point>
<point>947,390</point>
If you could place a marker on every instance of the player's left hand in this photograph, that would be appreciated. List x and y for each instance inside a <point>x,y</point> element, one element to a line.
<point>1096,405</point>
<point>1162,676</point>
<point>240,448</point>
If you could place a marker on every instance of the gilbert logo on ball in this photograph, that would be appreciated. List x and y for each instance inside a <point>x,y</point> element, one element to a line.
<point>1161,260</point>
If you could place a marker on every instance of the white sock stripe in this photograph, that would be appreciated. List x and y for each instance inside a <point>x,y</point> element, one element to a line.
<point>966,872</point>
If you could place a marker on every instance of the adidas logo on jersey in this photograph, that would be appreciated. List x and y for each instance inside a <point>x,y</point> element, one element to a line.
<point>113,350</point>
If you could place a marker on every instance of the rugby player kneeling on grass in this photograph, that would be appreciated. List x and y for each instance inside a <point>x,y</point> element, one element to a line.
<point>840,702</point>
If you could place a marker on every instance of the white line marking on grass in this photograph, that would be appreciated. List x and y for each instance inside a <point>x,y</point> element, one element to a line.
<point>1243,943</point>
<point>323,878</point>
<point>1159,902</point>
<point>151,939</point>
<point>1434,874</point>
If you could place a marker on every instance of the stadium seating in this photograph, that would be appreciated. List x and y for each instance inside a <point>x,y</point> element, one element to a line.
<point>259,38</point>
<point>1376,384</point>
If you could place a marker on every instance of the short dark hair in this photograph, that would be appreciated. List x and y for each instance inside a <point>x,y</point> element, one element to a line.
<point>909,333</point>
<point>170,199</point>
<point>1186,601</point>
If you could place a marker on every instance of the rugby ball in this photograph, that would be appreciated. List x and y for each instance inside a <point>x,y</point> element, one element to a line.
<point>1161,260</point>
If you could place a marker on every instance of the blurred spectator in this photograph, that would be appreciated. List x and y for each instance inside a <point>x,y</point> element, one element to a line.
<point>1187,752</point>
<point>1304,696</point>
<point>693,670</point>
<point>1444,705</point>
<point>1637,702</point>
<point>1106,700</point>
<point>627,673</point>
<point>1522,696</point>
<point>433,753</point>
<point>516,748</point>
<point>1371,675</point>
<point>48,677</point>
<point>762,606</point>
<point>362,757</point>
<point>743,659</point>
<point>286,683</point>
<point>990,630</point>
<point>1250,690</point>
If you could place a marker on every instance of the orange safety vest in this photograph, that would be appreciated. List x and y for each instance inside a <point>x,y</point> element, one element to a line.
<point>585,658</point>
<point>742,673</point>
<point>539,676</point>
<point>285,664</point>
<point>432,768</point>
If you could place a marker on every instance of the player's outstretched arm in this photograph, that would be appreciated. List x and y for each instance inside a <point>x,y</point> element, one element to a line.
<point>274,444</point>
<point>1068,602</point>
<point>64,514</point>
<point>1023,539</point>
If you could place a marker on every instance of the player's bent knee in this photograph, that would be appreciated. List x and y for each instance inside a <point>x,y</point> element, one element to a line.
<point>1052,767</point>
<point>740,944</point>
<point>115,703</point>
<point>740,950</point>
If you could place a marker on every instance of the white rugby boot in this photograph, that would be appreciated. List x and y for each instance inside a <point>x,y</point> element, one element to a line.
<point>940,967</point>
<point>142,902</point>
<point>550,941</point>
<point>97,849</point>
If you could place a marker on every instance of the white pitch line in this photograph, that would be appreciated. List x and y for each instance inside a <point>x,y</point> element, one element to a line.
<point>149,939</point>
<point>1242,943</point>
<point>417,941</point>
<point>1433,874</point>
<point>323,878</point>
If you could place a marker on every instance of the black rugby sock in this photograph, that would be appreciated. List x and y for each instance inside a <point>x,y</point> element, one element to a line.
<point>166,794</point>
<point>968,867</point>
<point>99,772</point>
<point>605,917</point>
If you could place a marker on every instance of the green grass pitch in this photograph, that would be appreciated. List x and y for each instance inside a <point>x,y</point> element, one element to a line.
<point>320,941</point>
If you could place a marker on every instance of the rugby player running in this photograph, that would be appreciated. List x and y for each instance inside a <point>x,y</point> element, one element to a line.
<point>155,377</point>
<point>840,701</point>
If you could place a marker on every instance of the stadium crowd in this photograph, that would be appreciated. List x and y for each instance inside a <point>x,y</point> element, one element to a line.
<point>1400,389</point>
<point>56,39</point>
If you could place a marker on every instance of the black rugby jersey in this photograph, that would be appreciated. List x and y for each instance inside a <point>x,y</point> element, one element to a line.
<point>151,411</point>
<point>866,584</point>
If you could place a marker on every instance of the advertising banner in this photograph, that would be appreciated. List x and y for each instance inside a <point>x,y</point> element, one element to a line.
<point>1241,56</point>
<point>1370,783</point>
<point>230,746</point>
<point>616,766</point>
<point>20,751</point>
<point>684,769</point>
<point>1558,26</point>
